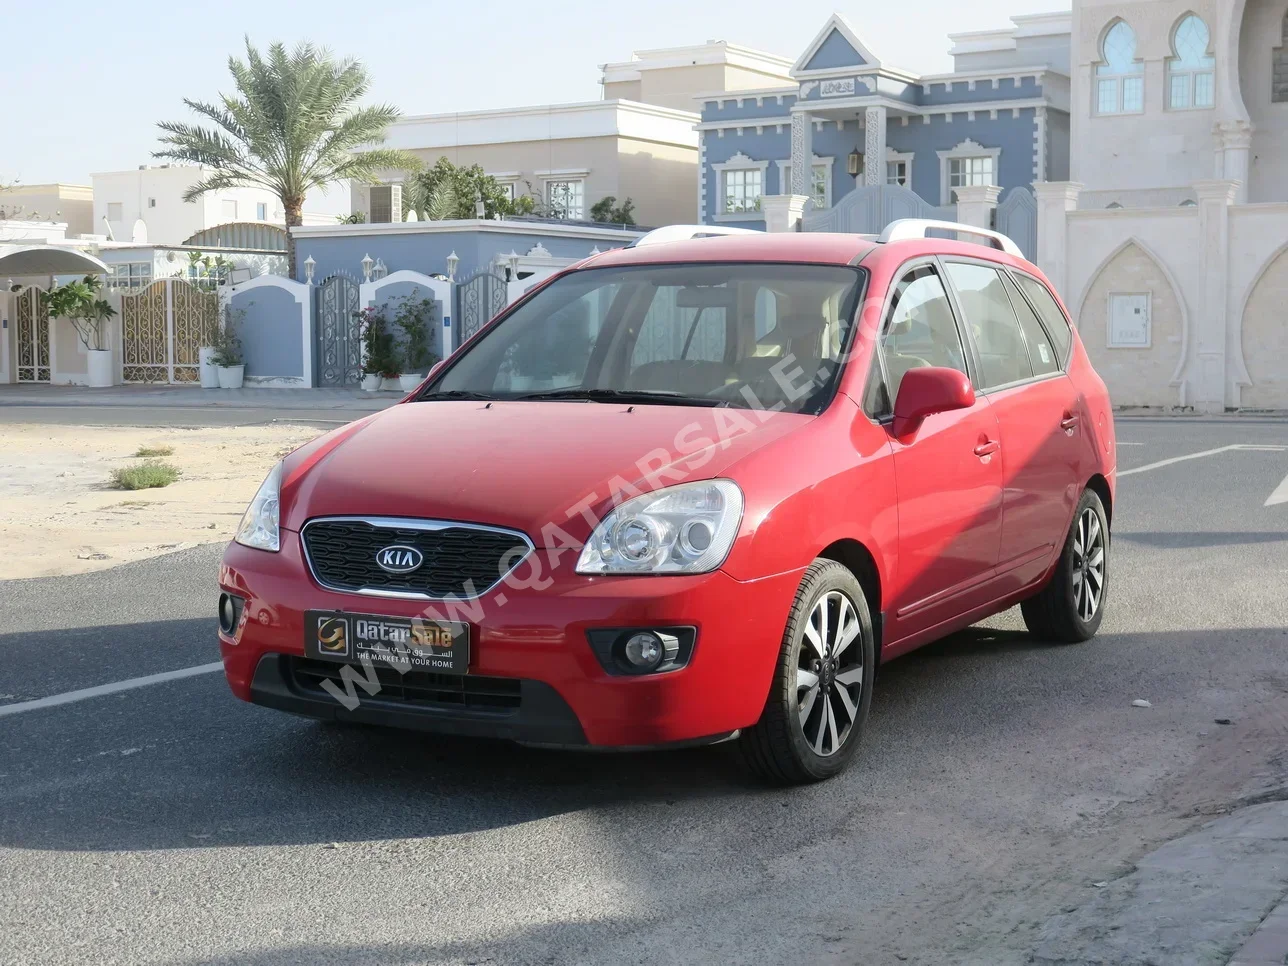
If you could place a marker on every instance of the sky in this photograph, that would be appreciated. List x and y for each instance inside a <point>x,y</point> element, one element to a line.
<point>91,101</point>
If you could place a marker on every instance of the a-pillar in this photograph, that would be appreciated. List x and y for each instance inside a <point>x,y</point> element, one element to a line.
<point>1055,200</point>
<point>783,212</point>
<point>976,203</point>
<point>1207,383</point>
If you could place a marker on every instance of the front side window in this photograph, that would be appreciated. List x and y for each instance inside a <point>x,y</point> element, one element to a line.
<point>566,199</point>
<point>987,312</point>
<point>742,190</point>
<point>1191,74</point>
<point>919,331</point>
<point>1120,77</point>
<point>761,336</point>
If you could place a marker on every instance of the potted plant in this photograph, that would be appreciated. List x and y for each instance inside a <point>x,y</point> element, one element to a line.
<point>229,364</point>
<point>413,318</point>
<point>380,355</point>
<point>81,303</point>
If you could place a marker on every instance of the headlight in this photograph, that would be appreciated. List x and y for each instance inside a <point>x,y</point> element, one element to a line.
<point>686,529</point>
<point>259,526</point>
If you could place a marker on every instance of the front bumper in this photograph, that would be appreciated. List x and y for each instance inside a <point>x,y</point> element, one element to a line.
<point>535,636</point>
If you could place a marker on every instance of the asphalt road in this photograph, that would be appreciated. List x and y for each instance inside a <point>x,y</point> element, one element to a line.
<point>1001,777</point>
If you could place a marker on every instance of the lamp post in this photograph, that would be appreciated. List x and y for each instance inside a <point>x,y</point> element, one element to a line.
<point>512,262</point>
<point>452,261</point>
<point>309,266</point>
<point>366,267</point>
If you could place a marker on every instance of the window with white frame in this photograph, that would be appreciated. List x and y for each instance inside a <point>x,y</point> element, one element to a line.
<point>969,164</point>
<point>566,198</point>
<point>1191,73</point>
<point>967,172</point>
<point>261,211</point>
<point>230,209</point>
<point>1120,77</point>
<point>820,183</point>
<point>898,168</point>
<point>742,189</point>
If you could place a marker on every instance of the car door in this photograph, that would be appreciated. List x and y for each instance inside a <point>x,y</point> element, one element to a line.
<point>948,476</point>
<point>1039,415</point>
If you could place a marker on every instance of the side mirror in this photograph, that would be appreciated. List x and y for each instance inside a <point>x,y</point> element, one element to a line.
<point>927,391</point>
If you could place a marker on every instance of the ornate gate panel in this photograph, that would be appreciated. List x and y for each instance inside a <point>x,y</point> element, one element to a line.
<point>145,351</point>
<point>478,299</point>
<point>195,317</point>
<point>1017,216</point>
<point>33,336</point>
<point>338,359</point>
<point>163,328</point>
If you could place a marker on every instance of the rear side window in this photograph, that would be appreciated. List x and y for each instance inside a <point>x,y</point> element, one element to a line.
<point>1003,356</point>
<point>1041,353</point>
<point>1057,325</point>
<point>919,331</point>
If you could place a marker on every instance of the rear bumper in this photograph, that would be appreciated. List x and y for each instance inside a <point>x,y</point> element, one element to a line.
<point>538,637</point>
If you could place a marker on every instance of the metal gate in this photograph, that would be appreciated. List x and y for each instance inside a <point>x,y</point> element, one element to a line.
<point>478,299</point>
<point>869,208</point>
<point>32,319</point>
<point>163,329</point>
<point>1017,216</point>
<point>337,330</point>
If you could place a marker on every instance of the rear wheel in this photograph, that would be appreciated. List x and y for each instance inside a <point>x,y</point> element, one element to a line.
<point>1070,607</point>
<point>819,699</point>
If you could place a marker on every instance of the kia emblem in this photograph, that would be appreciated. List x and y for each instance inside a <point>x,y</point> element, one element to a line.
<point>399,559</point>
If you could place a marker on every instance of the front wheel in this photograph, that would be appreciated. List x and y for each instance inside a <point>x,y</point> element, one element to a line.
<point>1070,607</point>
<point>819,699</point>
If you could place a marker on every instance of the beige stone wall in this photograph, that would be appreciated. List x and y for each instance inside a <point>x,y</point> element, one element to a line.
<point>1265,340</point>
<point>625,91</point>
<point>677,87</point>
<point>662,180</point>
<point>1261,35</point>
<point>1135,377</point>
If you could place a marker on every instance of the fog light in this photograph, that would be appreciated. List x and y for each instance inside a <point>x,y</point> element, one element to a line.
<point>230,611</point>
<point>648,651</point>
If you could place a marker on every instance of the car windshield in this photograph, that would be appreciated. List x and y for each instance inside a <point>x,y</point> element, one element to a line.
<point>752,335</point>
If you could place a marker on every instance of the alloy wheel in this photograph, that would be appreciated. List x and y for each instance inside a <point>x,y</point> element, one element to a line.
<point>1088,569</point>
<point>829,673</point>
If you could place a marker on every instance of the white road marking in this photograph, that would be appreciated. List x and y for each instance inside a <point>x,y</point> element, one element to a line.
<point>1122,442</point>
<point>1280,495</point>
<point>1251,447</point>
<point>70,697</point>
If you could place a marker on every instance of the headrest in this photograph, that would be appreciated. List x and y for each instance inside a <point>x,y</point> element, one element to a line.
<point>798,325</point>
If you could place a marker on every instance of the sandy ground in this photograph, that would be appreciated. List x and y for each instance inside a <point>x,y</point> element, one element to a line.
<point>59,514</point>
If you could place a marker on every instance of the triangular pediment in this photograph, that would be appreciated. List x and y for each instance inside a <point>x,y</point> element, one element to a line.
<point>835,47</point>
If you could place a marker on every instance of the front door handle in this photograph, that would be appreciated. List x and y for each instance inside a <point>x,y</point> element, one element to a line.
<point>987,448</point>
<point>1069,423</point>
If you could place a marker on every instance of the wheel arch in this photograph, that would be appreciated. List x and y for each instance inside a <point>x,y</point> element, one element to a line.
<point>1100,486</point>
<point>859,560</point>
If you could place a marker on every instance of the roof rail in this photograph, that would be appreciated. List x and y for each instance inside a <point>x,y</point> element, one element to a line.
<point>673,233</point>
<point>906,228</point>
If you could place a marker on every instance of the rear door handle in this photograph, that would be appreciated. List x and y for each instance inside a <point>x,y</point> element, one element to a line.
<point>987,448</point>
<point>1069,423</point>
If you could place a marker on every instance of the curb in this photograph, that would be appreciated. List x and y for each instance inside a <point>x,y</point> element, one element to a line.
<point>1268,946</point>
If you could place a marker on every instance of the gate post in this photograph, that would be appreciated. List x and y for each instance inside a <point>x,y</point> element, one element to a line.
<point>976,203</point>
<point>783,212</point>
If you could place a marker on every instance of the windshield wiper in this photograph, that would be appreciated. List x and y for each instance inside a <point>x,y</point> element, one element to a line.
<point>454,394</point>
<point>665,397</point>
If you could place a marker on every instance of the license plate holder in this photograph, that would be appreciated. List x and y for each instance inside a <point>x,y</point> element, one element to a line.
<point>411,643</point>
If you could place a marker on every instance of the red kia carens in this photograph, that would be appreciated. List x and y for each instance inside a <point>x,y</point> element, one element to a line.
<point>692,491</point>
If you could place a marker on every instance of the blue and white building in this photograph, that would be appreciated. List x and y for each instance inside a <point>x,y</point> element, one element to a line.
<point>997,123</point>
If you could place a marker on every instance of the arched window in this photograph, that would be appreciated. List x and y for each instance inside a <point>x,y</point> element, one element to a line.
<point>1120,77</point>
<point>1190,74</point>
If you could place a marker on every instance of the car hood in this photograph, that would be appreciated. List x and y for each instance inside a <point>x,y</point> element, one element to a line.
<point>521,465</point>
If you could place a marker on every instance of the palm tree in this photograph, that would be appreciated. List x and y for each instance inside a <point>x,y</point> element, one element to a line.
<point>293,125</point>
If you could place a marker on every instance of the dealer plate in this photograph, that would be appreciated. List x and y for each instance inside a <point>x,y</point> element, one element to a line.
<point>439,646</point>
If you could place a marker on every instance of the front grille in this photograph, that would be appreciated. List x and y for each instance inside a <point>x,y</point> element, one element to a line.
<point>460,560</point>
<point>423,689</point>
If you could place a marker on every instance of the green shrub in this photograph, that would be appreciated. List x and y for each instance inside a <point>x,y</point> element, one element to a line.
<point>145,475</point>
<point>155,451</point>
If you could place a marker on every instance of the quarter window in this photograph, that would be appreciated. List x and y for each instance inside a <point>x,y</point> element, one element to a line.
<point>1041,352</point>
<point>920,331</point>
<point>1120,77</point>
<point>1057,326</point>
<point>1003,356</point>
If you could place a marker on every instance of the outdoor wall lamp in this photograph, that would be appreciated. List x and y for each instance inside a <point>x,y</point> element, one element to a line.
<point>366,267</point>
<point>380,271</point>
<point>512,260</point>
<point>309,266</point>
<point>480,209</point>
<point>452,261</point>
<point>856,162</point>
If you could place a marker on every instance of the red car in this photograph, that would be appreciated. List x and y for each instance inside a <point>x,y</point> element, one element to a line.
<point>687,492</point>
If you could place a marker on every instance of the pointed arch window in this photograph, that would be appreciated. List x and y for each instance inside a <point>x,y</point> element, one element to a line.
<point>1120,77</point>
<point>1191,74</point>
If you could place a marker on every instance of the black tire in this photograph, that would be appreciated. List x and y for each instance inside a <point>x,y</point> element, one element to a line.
<point>776,748</point>
<point>1058,611</point>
